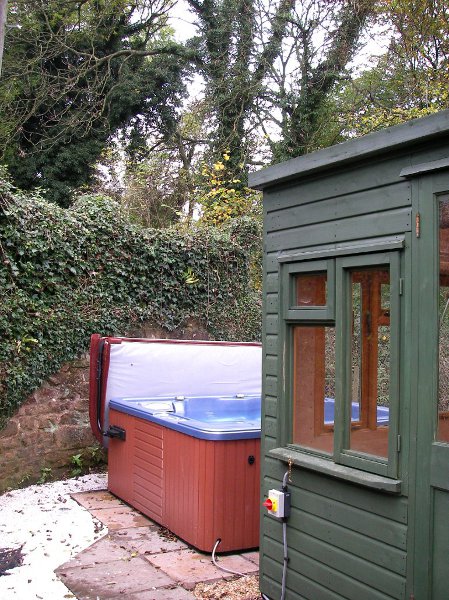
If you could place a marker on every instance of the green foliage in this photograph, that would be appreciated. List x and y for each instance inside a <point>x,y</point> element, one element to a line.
<point>92,459</point>
<point>74,73</point>
<point>66,273</point>
<point>155,191</point>
<point>234,53</point>
<point>222,196</point>
<point>412,79</point>
<point>77,464</point>
<point>46,474</point>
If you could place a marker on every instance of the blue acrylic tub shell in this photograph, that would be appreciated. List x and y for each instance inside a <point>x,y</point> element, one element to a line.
<point>383,413</point>
<point>207,417</point>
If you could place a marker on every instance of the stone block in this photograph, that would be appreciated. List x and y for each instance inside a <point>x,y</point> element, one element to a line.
<point>28,423</point>
<point>68,418</point>
<point>70,437</point>
<point>97,499</point>
<point>121,517</point>
<point>11,430</point>
<point>44,394</point>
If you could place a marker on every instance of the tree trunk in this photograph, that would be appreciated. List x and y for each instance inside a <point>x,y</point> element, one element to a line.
<point>3,13</point>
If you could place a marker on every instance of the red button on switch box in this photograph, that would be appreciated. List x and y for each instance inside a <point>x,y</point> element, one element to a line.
<point>268,504</point>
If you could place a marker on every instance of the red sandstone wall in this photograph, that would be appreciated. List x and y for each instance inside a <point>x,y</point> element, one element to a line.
<point>50,427</point>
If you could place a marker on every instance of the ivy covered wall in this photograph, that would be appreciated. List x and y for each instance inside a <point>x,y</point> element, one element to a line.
<point>66,273</point>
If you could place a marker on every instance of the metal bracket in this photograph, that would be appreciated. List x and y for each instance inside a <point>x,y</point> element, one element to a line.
<point>116,432</point>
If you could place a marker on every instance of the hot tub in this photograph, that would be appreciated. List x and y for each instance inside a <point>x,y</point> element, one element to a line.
<point>182,423</point>
<point>192,465</point>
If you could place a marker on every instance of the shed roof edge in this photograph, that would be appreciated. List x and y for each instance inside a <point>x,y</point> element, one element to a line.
<point>413,132</point>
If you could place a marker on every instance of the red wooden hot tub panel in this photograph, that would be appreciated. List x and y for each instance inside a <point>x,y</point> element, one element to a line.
<point>120,458</point>
<point>212,491</point>
<point>200,489</point>
<point>135,471</point>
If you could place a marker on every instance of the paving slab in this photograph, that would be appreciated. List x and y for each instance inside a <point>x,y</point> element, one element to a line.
<point>112,579</point>
<point>97,499</point>
<point>103,551</point>
<point>120,517</point>
<point>172,593</point>
<point>189,567</point>
<point>147,540</point>
<point>252,556</point>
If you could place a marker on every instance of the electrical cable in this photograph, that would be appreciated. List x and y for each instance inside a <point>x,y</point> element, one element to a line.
<point>285,547</point>
<point>284,567</point>
<point>224,568</point>
<point>444,311</point>
<point>284,541</point>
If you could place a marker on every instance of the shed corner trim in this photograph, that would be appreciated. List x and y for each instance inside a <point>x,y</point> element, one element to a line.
<point>395,242</point>
<point>423,168</point>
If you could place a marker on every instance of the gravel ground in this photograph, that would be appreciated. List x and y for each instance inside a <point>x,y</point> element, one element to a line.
<point>243,588</point>
<point>41,527</point>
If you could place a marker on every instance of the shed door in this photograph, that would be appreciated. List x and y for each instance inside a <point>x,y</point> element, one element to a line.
<point>439,471</point>
<point>431,513</point>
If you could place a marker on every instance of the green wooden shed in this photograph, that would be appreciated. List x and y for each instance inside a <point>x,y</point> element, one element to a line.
<point>355,416</point>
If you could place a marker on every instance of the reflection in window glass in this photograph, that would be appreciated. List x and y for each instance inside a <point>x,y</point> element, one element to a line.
<point>370,361</point>
<point>311,289</point>
<point>443,377</point>
<point>356,351</point>
<point>314,386</point>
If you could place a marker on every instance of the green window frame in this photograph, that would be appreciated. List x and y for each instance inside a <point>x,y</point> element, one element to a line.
<point>291,310</point>
<point>338,312</point>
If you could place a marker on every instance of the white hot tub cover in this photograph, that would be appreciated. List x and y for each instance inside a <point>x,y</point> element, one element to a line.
<point>162,368</point>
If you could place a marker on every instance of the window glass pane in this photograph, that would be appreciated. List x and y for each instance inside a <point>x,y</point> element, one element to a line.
<point>314,387</point>
<point>370,361</point>
<point>311,289</point>
<point>443,379</point>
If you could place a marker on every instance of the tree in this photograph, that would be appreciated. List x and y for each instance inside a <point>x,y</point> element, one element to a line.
<point>152,172</point>
<point>74,72</point>
<point>3,11</point>
<point>234,63</point>
<point>322,38</point>
<point>275,67</point>
<point>412,79</point>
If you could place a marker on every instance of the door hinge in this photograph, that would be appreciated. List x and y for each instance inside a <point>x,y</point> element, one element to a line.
<point>418,224</point>
<point>401,286</point>
<point>399,443</point>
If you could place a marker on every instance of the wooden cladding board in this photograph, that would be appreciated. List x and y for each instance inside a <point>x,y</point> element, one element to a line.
<point>352,228</point>
<point>351,205</point>
<point>201,490</point>
<point>344,542</point>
